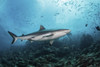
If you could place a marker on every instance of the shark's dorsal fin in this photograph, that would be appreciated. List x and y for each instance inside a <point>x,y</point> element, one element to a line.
<point>22,34</point>
<point>41,27</point>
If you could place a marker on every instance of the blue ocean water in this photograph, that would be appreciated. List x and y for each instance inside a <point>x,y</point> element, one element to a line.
<point>82,17</point>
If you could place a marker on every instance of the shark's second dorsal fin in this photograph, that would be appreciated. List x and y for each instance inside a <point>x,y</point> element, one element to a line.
<point>41,27</point>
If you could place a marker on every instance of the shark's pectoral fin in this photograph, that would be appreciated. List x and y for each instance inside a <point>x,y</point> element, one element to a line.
<point>41,27</point>
<point>51,42</point>
<point>31,41</point>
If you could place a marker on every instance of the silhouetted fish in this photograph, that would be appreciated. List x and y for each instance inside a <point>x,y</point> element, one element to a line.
<point>98,28</point>
<point>86,25</point>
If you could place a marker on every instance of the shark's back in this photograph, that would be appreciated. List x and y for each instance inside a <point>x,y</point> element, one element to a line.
<point>44,31</point>
<point>41,32</point>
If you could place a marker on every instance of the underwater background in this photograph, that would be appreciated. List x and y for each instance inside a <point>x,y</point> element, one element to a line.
<point>80,49</point>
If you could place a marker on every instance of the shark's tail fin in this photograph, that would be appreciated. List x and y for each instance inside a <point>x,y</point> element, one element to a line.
<point>13,36</point>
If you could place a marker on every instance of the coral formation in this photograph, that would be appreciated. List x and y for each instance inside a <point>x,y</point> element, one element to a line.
<point>40,54</point>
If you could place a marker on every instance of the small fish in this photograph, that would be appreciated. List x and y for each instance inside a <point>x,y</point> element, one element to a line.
<point>57,14</point>
<point>42,16</point>
<point>98,28</point>
<point>66,47</point>
<point>86,25</point>
<point>41,35</point>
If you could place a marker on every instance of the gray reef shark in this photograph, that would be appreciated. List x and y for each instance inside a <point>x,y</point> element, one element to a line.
<point>41,35</point>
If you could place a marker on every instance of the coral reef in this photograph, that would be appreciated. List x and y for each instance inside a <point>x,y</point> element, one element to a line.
<point>41,54</point>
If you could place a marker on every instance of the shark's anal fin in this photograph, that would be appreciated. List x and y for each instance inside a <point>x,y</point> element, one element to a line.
<point>41,27</point>
<point>51,42</point>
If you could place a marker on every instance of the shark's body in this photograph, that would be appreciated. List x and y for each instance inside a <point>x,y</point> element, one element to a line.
<point>41,35</point>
